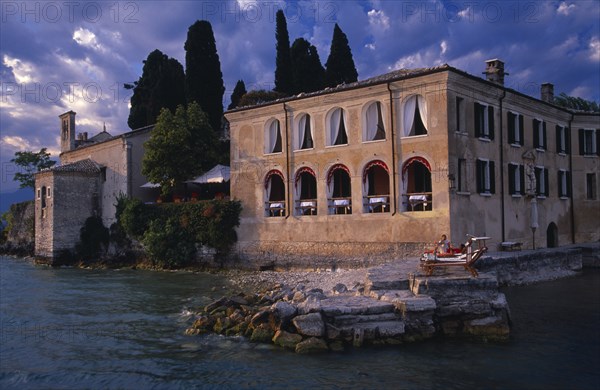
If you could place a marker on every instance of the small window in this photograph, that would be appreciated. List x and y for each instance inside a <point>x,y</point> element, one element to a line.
<point>460,115</point>
<point>590,184</point>
<point>562,140</point>
<point>516,179</point>
<point>39,193</point>
<point>484,121</point>
<point>304,131</point>
<point>374,128</point>
<point>336,127</point>
<point>564,183</point>
<point>44,195</point>
<point>49,192</point>
<point>515,129</point>
<point>540,141</point>
<point>588,142</point>
<point>541,182</point>
<point>273,137</point>
<point>486,180</point>
<point>103,173</point>
<point>462,176</point>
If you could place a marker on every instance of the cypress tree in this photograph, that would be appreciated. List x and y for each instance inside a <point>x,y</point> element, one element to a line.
<point>161,86</point>
<point>238,92</point>
<point>307,71</point>
<point>203,77</point>
<point>283,61</point>
<point>340,66</point>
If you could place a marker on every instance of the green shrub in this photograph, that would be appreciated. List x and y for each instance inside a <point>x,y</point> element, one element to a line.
<point>168,244</point>
<point>93,238</point>
<point>135,217</point>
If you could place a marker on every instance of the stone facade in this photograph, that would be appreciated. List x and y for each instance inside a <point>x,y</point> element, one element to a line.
<point>425,152</point>
<point>92,173</point>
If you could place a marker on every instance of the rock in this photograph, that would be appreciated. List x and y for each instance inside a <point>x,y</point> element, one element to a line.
<point>312,304</point>
<point>284,310</point>
<point>262,334</point>
<point>310,324</point>
<point>339,289</point>
<point>311,345</point>
<point>336,346</point>
<point>286,339</point>
<point>221,325</point>
<point>259,318</point>
<point>298,296</point>
<point>212,306</point>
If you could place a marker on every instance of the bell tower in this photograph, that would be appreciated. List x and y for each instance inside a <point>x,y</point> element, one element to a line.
<point>67,131</point>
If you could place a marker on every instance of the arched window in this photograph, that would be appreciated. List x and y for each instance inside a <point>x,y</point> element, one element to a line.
<point>373,128</point>
<point>376,187</point>
<point>416,182</point>
<point>336,127</point>
<point>306,191</point>
<point>274,194</point>
<point>339,190</point>
<point>304,139</point>
<point>415,116</point>
<point>273,137</point>
<point>44,194</point>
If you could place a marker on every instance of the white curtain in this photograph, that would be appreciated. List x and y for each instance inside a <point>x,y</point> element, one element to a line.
<point>301,130</point>
<point>372,119</point>
<point>273,130</point>
<point>422,110</point>
<point>269,188</point>
<point>299,188</point>
<point>409,114</point>
<point>366,184</point>
<point>336,117</point>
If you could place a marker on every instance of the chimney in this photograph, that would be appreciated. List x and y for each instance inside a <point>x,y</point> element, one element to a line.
<point>547,92</point>
<point>494,71</point>
<point>85,135</point>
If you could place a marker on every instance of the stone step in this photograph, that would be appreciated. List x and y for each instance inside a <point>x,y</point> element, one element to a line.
<point>449,286</point>
<point>345,320</point>
<point>354,305</point>
<point>392,276</point>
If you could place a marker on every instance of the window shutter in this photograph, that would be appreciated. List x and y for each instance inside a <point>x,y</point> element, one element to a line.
<point>598,142</point>
<point>559,175</point>
<point>477,112</point>
<point>510,117</point>
<point>537,181</point>
<point>511,178</point>
<point>521,131</point>
<point>558,138</point>
<point>536,134</point>
<point>480,176</point>
<point>545,140</point>
<point>492,178</point>
<point>581,142</point>
<point>546,186</point>
<point>522,178</point>
<point>491,121</point>
<point>568,140</point>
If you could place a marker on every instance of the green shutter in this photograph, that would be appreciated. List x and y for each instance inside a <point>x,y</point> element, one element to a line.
<point>511,178</point>
<point>491,121</point>
<point>521,130</point>
<point>510,117</point>
<point>581,142</point>
<point>536,134</point>
<point>546,186</point>
<point>522,177</point>
<point>480,181</point>
<point>558,138</point>
<point>492,178</point>
<point>545,139</point>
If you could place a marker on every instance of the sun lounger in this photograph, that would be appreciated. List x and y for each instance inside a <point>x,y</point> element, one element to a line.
<point>466,260</point>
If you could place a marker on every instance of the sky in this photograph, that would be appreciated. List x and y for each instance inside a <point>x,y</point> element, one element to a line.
<point>57,56</point>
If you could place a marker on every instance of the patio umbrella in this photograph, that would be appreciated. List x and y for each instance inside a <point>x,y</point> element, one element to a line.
<point>218,174</point>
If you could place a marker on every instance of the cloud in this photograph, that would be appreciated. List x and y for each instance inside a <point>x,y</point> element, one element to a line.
<point>23,71</point>
<point>594,49</point>
<point>565,9</point>
<point>379,19</point>
<point>443,47</point>
<point>86,38</point>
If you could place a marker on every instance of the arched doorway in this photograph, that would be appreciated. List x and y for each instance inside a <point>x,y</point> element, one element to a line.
<point>416,180</point>
<point>274,194</point>
<point>552,236</point>
<point>306,192</point>
<point>376,187</point>
<point>339,190</point>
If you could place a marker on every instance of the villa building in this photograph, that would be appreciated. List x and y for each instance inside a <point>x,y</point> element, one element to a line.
<point>378,169</point>
<point>91,175</point>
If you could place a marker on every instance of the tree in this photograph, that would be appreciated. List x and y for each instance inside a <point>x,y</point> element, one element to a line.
<point>340,66</point>
<point>161,86</point>
<point>576,103</point>
<point>203,77</point>
<point>30,163</point>
<point>307,71</point>
<point>238,92</point>
<point>260,96</point>
<point>180,147</point>
<point>284,82</point>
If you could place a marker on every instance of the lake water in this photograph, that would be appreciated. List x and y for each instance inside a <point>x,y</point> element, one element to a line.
<point>75,328</point>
